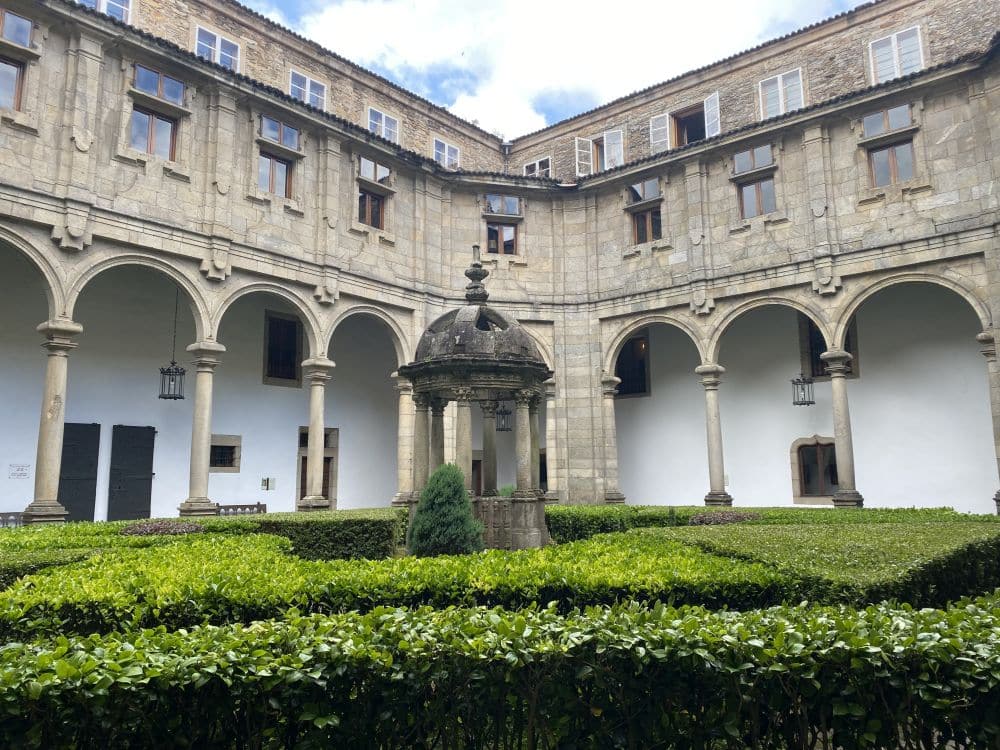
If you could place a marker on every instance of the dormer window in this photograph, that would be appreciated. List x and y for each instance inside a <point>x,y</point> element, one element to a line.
<point>115,8</point>
<point>506,205</point>
<point>305,89</point>
<point>896,55</point>
<point>159,85</point>
<point>218,49</point>
<point>445,154</point>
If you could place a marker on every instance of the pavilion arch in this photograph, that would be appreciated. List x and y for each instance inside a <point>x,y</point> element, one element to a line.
<point>815,315</point>
<point>962,290</point>
<point>638,324</point>
<point>54,294</point>
<point>543,348</point>
<point>199,307</point>
<point>309,321</point>
<point>396,334</point>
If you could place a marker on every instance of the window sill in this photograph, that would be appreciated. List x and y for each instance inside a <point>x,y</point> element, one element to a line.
<point>764,221</point>
<point>512,261</point>
<point>155,103</point>
<point>379,188</point>
<point>282,382</point>
<point>19,120</point>
<point>644,205</point>
<point>173,169</point>
<point>503,218</point>
<point>279,149</point>
<point>890,193</point>
<point>752,175</point>
<point>288,205</point>
<point>17,52</point>
<point>373,233</point>
<point>223,469</point>
<point>647,248</point>
<point>899,134</point>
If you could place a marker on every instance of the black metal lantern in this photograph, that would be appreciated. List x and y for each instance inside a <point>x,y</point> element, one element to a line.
<point>172,376</point>
<point>802,391</point>
<point>504,422</point>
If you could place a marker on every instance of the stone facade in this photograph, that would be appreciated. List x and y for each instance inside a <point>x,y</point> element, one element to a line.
<point>76,199</point>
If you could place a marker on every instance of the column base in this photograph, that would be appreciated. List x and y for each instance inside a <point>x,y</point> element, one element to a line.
<point>614,497</point>
<point>403,499</point>
<point>718,498</point>
<point>311,503</point>
<point>44,511</point>
<point>552,497</point>
<point>996,500</point>
<point>527,521</point>
<point>848,499</point>
<point>198,506</point>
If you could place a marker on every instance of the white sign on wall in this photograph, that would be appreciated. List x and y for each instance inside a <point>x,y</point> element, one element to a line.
<point>19,471</point>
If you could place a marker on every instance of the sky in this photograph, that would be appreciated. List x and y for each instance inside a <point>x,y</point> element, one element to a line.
<point>515,66</point>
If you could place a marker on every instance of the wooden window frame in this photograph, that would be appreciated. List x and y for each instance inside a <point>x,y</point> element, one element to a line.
<point>3,23</point>
<point>150,149</point>
<point>646,217</point>
<point>367,217</point>
<point>500,249</point>
<point>289,166</point>
<point>503,199</point>
<point>280,140</point>
<point>756,184</point>
<point>160,76</point>
<point>887,129</point>
<point>893,164</point>
<point>19,66</point>
<point>809,360</point>
<point>823,449</point>
<point>295,382</point>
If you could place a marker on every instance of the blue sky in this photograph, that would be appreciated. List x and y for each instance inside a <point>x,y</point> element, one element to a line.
<point>561,57</point>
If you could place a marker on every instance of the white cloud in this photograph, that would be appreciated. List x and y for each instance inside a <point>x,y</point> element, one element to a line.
<point>520,49</point>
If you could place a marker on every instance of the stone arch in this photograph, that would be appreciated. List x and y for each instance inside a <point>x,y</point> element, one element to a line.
<point>301,307</point>
<point>543,348</point>
<point>54,294</point>
<point>962,290</point>
<point>399,340</point>
<point>611,356</point>
<point>199,306</point>
<point>816,315</point>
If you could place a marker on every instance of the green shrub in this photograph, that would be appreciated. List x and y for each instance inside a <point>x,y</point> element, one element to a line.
<point>507,490</point>
<point>14,564</point>
<point>443,523</point>
<point>626,677</point>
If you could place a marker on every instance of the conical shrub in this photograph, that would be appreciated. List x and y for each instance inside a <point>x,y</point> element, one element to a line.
<point>443,523</point>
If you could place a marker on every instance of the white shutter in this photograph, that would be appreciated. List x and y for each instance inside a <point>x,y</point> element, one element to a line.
<point>908,48</point>
<point>659,130</point>
<point>713,123</point>
<point>792,89</point>
<point>883,60</point>
<point>770,98</point>
<point>614,149</point>
<point>584,156</point>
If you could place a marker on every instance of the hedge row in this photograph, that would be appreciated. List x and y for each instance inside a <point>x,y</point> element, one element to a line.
<point>15,564</point>
<point>221,579</point>
<point>626,677</point>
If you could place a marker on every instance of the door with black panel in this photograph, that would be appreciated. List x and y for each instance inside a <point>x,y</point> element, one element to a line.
<point>78,472</point>
<point>130,485</point>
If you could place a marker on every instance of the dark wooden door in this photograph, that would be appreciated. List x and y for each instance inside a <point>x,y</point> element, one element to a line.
<point>304,476</point>
<point>130,483</point>
<point>78,472</point>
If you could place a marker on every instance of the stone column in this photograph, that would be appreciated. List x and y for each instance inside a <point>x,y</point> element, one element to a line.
<point>522,437</point>
<point>536,458</point>
<point>205,359</point>
<point>711,377</point>
<point>552,477</point>
<point>527,510</point>
<point>489,448</point>
<point>437,434</point>
<point>318,372</point>
<point>404,442</point>
<point>609,388</point>
<point>45,506</point>
<point>463,434</point>
<point>421,443</point>
<point>988,346</point>
<point>836,364</point>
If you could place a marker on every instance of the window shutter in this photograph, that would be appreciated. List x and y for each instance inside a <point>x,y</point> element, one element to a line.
<point>584,156</point>
<point>614,149</point>
<point>883,61</point>
<point>659,134</point>
<point>770,99</point>
<point>792,84</point>
<point>713,124</point>
<point>908,45</point>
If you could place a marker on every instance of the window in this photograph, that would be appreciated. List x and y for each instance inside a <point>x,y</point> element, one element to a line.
<point>282,349</point>
<point>896,55</point>
<point>15,28</point>
<point>159,85</point>
<point>374,191</point>
<point>274,175</point>
<point>755,158</point>
<point>115,8</point>
<point>539,168</point>
<point>218,49</point>
<point>646,226</point>
<point>11,80</point>
<point>756,196</point>
<point>632,366</point>
<point>597,154</point>
<point>371,209</point>
<point>224,456</point>
<point>659,134</point>
<point>812,345</point>
<point>372,170</point>
<point>817,470</point>
<point>509,205</point>
<point>305,89</point>
<point>886,120</point>
<point>501,238</point>
<point>153,134</point>
<point>780,94</point>
<point>889,163</point>
<point>445,154</point>
<point>388,127</point>
<point>279,132</point>
<point>698,122</point>
<point>644,191</point>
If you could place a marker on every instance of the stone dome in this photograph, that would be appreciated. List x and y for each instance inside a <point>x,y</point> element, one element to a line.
<point>477,331</point>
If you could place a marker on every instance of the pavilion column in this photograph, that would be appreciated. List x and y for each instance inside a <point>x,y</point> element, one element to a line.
<point>989,350</point>
<point>489,448</point>
<point>711,378</point>
<point>609,388</point>
<point>205,359</point>
<point>404,442</point>
<point>553,476</point>
<point>522,426</point>
<point>536,458</point>
<point>527,511</point>
<point>318,372</point>
<point>847,496</point>
<point>421,442</point>
<point>463,434</point>
<point>45,506</point>
<point>437,434</point>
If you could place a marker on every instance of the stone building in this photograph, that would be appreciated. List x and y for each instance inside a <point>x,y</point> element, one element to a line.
<point>185,180</point>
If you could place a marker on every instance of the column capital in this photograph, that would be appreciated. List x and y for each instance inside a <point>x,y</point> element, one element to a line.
<point>987,345</point>
<point>205,354</point>
<point>422,401</point>
<point>837,361</point>
<point>318,369</point>
<point>59,335</point>
<point>463,394</point>
<point>523,398</point>
<point>402,384</point>
<point>489,408</point>
<point>711,374</point>
<point>438,405</point>
<point>550,388</point>
<point>609,385</point>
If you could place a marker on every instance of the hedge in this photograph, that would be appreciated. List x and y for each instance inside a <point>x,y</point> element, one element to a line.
<point>624,677</point>
<point>15,564</point>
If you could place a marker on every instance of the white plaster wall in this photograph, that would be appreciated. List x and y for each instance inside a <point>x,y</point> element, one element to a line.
<point>506,443</point>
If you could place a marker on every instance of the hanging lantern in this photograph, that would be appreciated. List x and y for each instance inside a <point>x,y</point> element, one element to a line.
<point>504,421</point>
<point>172,376</point>
<point>802,391</point>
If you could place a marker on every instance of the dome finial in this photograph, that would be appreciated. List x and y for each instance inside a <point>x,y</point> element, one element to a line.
<point>475,292</point>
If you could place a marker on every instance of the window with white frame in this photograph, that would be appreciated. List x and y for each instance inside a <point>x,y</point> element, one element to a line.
<point>218,49</point>
<point>387,127</point>
<point>305,89</point>
<point>445,154</point>
<point>606,151</point>
<point>659,133</point>
<point>119,9</point>
<point>781,93</point>
<point>896,55</point>
<point>539,168</point>
<point>696,123</point>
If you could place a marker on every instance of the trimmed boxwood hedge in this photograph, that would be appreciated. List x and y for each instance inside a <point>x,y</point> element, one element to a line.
<point>14,564</point>
<point>628,677</point>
